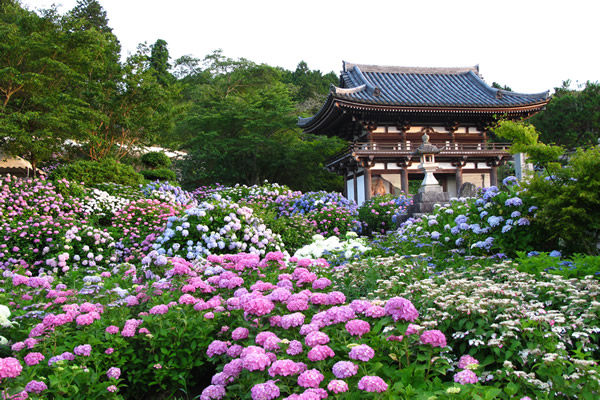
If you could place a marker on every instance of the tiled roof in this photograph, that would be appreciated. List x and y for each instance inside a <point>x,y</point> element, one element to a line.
<point>436,87</point>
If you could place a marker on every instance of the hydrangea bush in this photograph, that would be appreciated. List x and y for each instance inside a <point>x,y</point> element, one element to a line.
<point>334,250</point>
<point>382,213</point>
<point>329,213</point>
<point>216,227</point>
<point>139,224</point>
<point>169,193</point>
<point>498,221</point>
<point>537,336</point>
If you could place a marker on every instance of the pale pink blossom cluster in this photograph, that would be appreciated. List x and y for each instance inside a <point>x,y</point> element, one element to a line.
<point>400,308</point>
<point>372,384</point>
<point>433,337</point>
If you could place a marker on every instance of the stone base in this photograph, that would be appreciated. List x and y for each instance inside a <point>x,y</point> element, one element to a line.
<point>423,202</point>
<point>430,189</point>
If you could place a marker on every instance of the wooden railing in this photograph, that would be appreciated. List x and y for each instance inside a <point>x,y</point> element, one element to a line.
<point>443,146</point>
<point>409,147</point>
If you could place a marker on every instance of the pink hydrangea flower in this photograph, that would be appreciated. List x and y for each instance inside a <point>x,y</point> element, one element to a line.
<point>361,352</point>
<point>112,330</point>
<point>465,376</point>
<point>375,312</point>
<point>33,358</point>
<point>291,320</point>
<point>239,333</point>
<point>265,391</point>
<point>320,353</point>
<point>83,350</point>
<point>285,368</point>
<point>159,309</point>
<point>358,327</point>
<point>412,329</point>
<point>263,336</point>
<point>467,360</point>
<point>113,372</point>
<point>315,338</point>
<point>310,379</point>
<point>255,362</point>
<point>294,348</point>
<point>258,306</point>
<point>321,283</point>
<point>211,392</point>
<point>234,351</point>
<point>344,369</point>
<point>433,337</point>
<point>10,367</point>
<point>217,347</point>
<point>337,386</point>
<point>35,387</point>
<point>372,384</point>
<point>401,308</point>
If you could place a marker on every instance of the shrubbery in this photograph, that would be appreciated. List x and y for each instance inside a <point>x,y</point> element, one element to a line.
<point>382,213</point>
<point>98,172</point>
<point>156,159</point>
<point>569,203</point>
<point>159,174</point>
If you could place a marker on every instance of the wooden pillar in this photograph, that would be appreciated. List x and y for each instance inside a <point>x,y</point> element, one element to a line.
<point>355,179</point>
<point>494,176</point>
<point>404,179</point>
<point>367,182</point>
<point>459,178</point>
<point>345,190</point>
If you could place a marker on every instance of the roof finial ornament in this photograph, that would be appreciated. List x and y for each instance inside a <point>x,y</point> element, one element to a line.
<point>425,138</point>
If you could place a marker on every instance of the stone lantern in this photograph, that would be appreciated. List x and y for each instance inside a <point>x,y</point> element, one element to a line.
<point>426,152</point>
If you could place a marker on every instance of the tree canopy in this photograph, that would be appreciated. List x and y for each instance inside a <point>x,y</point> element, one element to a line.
<point>572,117</point>
<point>62,82</point>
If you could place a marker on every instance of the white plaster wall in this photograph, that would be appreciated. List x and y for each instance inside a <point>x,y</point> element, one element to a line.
<point>350,189</point>
<point>360,183</point>
<point>451,185</point>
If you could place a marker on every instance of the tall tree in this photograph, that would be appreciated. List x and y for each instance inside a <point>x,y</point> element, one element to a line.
<point>572,117</point>
<point>159,62</point>
<point>243,123</point>
<point>91,13</point>
<point>38,108</point>
<point>133,109</point>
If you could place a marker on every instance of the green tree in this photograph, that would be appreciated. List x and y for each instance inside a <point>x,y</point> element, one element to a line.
<point>243,124</point>
<point>310,87</point>
<point>525,139</point>
<point>569,203</point>
<point>91,13</point>
<point>38,70</point>
<point>572,117</point>
<point>159,62</point>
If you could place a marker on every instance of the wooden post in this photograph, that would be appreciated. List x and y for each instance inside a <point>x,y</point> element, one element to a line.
<point>404,180</point>
<point>367,182</point>
<point>494,176</point>
<point>355,181</point>
<point>459,178</point>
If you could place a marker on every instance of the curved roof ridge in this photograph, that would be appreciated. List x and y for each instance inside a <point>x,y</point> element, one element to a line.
<point>501,92</point>
<point>356,89</point>
<point>412,70</point>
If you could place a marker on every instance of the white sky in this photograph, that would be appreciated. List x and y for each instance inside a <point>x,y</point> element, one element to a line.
<point>529,45</point>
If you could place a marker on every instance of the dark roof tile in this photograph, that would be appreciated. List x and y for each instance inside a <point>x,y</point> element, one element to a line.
<point>408,86</point>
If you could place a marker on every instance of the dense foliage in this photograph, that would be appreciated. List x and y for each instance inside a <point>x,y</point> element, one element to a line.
<point>65,93</point>
<point>98,172</point>
<point>571,118</point>
<point>131,293</point>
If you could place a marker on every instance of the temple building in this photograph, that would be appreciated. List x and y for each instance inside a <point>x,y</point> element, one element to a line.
<point>383,112</point>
